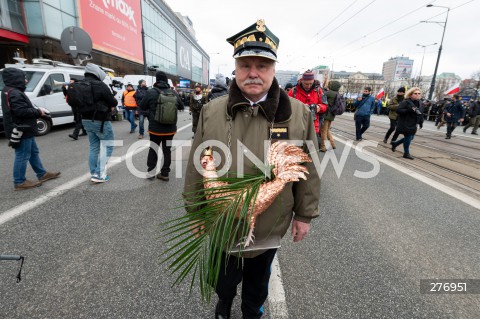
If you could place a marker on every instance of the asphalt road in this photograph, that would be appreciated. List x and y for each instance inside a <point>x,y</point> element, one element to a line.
<point>92,251</point>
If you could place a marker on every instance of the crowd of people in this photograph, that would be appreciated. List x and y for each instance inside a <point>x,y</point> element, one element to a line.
<point>246,110</point>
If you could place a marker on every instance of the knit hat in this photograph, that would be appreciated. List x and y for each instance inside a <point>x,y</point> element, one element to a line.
<point>334,85</point>
<point>220,80</point>
<point>140,82</point>
<point>308,75</point>
<point>161,77</point>
<point>198,85</point>
<point>130,84</point>
<point>288,86</point>
<point>402,89</point>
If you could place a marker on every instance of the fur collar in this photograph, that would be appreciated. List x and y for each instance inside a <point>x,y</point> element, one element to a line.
<point>275,108</point>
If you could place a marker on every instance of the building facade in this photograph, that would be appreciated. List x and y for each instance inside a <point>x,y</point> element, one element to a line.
<point>128,36</point>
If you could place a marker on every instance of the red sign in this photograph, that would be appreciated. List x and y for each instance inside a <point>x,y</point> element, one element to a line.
<point>114,25</point>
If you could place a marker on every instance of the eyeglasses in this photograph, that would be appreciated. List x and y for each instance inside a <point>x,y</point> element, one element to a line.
<point>417,93</point>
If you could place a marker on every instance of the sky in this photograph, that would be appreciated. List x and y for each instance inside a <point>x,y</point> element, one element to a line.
<point>350,35</point>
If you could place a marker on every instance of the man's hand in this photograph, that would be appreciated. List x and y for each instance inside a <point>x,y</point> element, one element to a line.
<point>41,112</point>
<point>461,120</point>
<point>299,230</point>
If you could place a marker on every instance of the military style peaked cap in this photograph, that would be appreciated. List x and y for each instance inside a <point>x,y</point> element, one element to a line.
<point>256,40</point>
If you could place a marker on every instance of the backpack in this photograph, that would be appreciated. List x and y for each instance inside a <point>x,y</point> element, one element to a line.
<point>80,98</point>
<point>166,107</point>
<point>339,105</point>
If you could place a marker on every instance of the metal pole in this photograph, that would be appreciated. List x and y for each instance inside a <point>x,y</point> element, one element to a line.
<point>432,86</point>
<point>145,68</point>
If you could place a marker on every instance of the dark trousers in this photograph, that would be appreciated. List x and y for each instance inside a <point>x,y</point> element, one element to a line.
<point>77,117</point>
<point>195,118</point>
<point>451,127</point>
<point>152,158</point>
<point>255,274</point>
<point>393,126</point>
<point>362,123</point>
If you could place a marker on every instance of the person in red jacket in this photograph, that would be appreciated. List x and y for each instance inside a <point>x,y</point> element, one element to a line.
<point>311,95</point>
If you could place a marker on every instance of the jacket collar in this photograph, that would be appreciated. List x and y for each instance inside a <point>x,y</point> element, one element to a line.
<point>277,108</point>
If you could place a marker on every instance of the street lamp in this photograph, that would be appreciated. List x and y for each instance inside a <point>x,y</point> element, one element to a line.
<point>423,56</point>
<point>432,86</point>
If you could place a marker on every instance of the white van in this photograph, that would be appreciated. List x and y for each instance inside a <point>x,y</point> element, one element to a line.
<point>44,89</point>
<point>134,78</point>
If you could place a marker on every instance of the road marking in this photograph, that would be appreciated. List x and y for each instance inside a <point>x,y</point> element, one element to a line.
<point>25,207</point>
<point>424,179</point>
<point>277,304</point>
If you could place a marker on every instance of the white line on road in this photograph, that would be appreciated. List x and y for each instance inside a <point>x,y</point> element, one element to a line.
<point>277,304</point>
<point>25,207</point>
<point>437,185</point>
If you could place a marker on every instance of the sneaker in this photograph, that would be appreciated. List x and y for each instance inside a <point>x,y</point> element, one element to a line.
<point>140,136</point>
<point>408,156</point>
<point>385,140</point>
<point>163,177</point>
<point>97,179</point>
<point>394,146</point>
<point>75,137</point>
<point>49,175</point>
<point>27,184</point>
<point>474,133</point>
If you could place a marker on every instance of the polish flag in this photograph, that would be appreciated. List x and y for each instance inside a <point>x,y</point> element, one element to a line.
<point>380,94</point>
<point>454,89</point>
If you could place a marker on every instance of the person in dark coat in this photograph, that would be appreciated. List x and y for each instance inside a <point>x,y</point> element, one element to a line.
<point>98,124</point>
<point>139,95</point>
<point>20,122</point>
<point>220,88</point>
<point>197,101</point>
<point>454,113</point>
<point>159,133</point>
<point>409,116</point>
<point>474,111</point>
<point>77,117</point>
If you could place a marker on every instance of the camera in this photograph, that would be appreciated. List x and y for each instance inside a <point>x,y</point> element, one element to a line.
<point>15,138</point>
<point>313,109</point>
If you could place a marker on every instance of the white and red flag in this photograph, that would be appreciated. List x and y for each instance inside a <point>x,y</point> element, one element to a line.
<point>380,94</point>
<point>452,90</point>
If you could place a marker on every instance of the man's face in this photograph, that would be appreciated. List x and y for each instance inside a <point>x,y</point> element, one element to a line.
<point>401,93</point>
<point>307,84</point>
<point>366,92</point>
<point>144,83</point>
<point>197,89</point>
<point>254,76</point>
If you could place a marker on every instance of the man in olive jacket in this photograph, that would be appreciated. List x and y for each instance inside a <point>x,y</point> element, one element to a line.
<point>256,111</point>
<point>392,114</point>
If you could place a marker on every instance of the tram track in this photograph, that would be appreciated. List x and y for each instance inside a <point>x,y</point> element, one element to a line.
<point>453,168</point>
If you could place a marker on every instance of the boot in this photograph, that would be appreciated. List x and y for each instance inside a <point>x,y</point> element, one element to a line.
<point>408,156</point>
<point>84,133</point>
<point>75,137</point>
<point>27,184</point>
<point>223,309</point>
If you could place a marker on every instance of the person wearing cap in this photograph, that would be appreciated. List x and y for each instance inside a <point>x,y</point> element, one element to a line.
<point>256,112</point>
<point>130,106</point>
<point>160,134</point>
<point>220,88</point>
<point>310,94</point>
<point>197,100</point>
<point>364,108</point>
<point>139,95</point>
<point>288,87</point>
<point>392,114</point>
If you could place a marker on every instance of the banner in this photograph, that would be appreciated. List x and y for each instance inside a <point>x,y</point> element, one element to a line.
<point>184,57</point>
<point>115,26</point>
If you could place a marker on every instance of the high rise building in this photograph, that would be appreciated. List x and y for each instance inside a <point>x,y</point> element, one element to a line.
<point>397,69</point>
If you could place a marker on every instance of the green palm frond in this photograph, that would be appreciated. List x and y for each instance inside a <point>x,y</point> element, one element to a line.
<point>199,255</point>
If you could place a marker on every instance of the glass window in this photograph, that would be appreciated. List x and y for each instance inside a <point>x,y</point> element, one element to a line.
<point>11,16</point>
<point>68,21</point>
<point>34,19</point>
<point>53,3</point>
<point>51,84</point>
<point>68,6</point>
<point>33,78</point>
<point>53,22</point>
